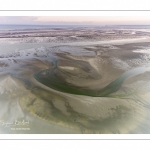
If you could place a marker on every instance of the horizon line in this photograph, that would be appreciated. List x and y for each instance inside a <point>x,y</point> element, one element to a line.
<point>83,24</point>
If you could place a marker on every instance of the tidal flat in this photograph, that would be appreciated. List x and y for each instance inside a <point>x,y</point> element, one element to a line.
<point>77,80</point>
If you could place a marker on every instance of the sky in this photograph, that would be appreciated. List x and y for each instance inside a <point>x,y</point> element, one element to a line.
<point>76,20</point>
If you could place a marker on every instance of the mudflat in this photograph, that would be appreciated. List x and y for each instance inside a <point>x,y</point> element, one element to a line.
<point>73,82</point>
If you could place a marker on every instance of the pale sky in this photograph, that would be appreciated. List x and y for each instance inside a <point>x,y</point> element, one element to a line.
<point>79,20</point>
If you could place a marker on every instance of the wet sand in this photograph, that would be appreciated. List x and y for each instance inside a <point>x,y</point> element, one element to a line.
<point>91,66</point>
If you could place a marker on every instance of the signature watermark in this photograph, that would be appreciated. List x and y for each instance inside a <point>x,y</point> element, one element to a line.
<point>15,125</point>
